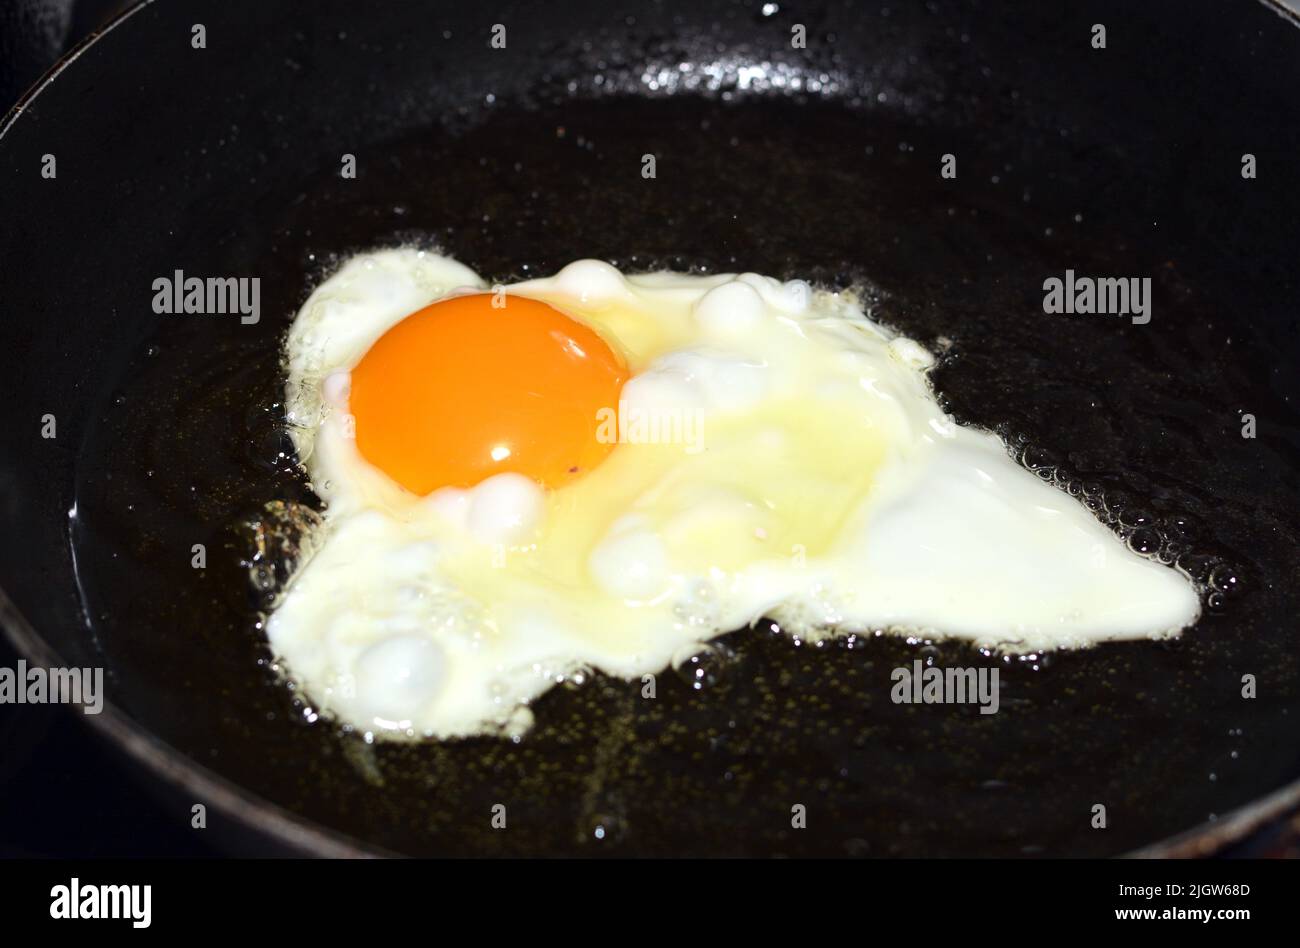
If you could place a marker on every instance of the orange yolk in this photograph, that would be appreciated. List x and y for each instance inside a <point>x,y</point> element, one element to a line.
<point>462,390</point>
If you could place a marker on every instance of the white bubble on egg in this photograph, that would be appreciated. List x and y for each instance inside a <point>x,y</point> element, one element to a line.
<point>630,561</point>
<point>731,308</point>
<point>590,281</point>
<point>504,508</point>
<point>398,677</point>
<point>335,389</point>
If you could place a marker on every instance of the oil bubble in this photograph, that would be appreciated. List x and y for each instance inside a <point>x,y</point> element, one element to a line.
<point>1136,517</point>
<point>1144,541</point>
<point>1195,566</point>
<point>1225,580</point>
<point>702,667</point>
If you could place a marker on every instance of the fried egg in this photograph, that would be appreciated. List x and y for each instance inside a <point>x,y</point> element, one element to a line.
<point>598,471</point>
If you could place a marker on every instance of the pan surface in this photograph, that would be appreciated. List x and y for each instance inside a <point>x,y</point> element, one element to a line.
<point>820,163</point>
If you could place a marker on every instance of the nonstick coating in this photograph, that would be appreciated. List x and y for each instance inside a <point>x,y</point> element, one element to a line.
<point>819,163</point>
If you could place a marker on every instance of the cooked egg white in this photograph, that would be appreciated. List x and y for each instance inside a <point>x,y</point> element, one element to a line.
<point>779,454</point>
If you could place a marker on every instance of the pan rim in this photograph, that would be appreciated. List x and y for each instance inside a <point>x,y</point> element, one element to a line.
<point>182,771</point>
<point>306,836</point>
<point>63,62</point>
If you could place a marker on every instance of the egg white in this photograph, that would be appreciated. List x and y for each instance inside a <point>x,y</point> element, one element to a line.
<point>781,455</point>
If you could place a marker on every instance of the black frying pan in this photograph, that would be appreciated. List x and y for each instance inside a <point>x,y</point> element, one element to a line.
<point>820,162</point>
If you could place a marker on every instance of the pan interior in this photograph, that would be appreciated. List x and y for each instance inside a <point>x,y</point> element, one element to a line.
<point>820,163</point>
<point>189,450</point>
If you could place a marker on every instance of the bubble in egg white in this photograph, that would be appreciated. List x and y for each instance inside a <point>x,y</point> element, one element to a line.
<point>730,308</point>
<point>398,677</point>
<point>504,508</point>
<point>631,562</point>
<point>695,382</point>
<point>336,388</point>
<point>795,295</point>
<point>451,505</point>
<point>591,281</point>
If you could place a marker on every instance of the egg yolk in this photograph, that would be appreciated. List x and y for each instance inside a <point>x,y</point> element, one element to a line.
<point>463,389</point>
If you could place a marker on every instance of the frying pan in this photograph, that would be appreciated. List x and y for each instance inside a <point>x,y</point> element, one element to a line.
<point>819,162</point>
